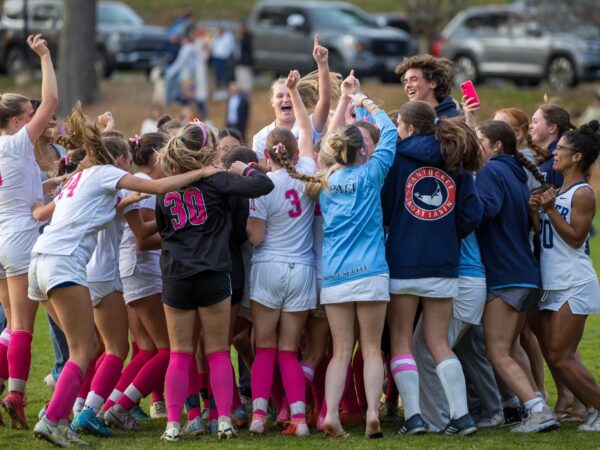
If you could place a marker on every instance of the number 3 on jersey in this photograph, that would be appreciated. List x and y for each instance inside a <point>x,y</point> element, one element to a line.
<point>186,207</point>
<point>294,199</point>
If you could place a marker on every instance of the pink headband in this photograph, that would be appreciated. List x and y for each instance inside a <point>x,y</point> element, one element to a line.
<point>66,158</point>
<point>203,128</point>
<point>135,139</point>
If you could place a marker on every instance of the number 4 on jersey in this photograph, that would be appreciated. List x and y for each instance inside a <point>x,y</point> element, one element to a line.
<point>71,185</point>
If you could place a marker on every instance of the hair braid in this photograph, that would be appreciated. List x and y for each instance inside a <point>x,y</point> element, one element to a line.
<point>531,167</point>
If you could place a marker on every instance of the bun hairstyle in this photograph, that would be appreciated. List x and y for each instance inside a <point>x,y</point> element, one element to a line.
<point>282,146</point>
<point>11,105</point>
<point>70,162</point>
<point>369,128</point>
<point>458,143</point>
<point>520,122</point>
<point>143,147</point>
<point>498,131</point>
<point>193,148</point>
<point>585,140</point>
<point>344,144</point>
<point>556,115</point>
<point>88,133</point>
<point>240,153</point>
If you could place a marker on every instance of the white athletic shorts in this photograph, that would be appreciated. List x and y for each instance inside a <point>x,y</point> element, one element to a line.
<point>100,289</point>
<point>367,289</point>
<point>140,285</point>
<point>48,271</point>
<point>469,304</point>
<point>15,252</point>
<point>290,287</point>
<point>583,299</point>
<point>425,287</point>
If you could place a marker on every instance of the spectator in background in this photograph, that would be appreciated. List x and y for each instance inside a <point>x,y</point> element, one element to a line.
<point>202,56</point>
<point>150,125</point>
<point>222,47</point>
<point>238,109</point>
<point>244,59</point>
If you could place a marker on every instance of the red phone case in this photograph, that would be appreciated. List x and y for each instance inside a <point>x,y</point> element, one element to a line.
<point>468,90</point>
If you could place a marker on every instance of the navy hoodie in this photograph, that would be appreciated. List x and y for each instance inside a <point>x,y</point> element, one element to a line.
<point>428,210</point>
<point>554,178</point>
<point>504,232</point>
<point>447,108</point>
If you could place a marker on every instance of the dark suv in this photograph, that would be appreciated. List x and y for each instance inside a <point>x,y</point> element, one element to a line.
<point>282,37</point>
<point>123,40</point>
<point>509,41</point>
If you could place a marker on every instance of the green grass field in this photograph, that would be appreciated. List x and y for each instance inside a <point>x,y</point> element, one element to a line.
<point>566,437</point>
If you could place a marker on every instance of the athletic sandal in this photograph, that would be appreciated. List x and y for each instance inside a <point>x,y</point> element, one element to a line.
<point>51,433</point>
<point>258,424</point>
<point>226,429</point>
<point>296,427</point>
<point>15,407</point>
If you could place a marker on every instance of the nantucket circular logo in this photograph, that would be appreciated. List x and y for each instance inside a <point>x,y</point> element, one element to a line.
<point>430,193</point>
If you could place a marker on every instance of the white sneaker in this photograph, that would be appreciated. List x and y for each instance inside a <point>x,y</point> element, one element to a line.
<point>172,432</point>
<point>194,427</point>
<point>490,422</point>
<point>544,420</point>
<point>158,410</point>
<point>590,422</point>
<point>50,381</point>
<point>51,433</point>
<point>226,430</point>
<point>71,435</point>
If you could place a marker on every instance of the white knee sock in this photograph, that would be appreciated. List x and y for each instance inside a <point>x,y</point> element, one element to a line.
<point>406,376</point>
<point>452,378</point>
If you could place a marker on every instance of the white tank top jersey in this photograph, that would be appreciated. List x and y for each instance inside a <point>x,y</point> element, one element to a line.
<point>85,205</point>
<point>563,266</point>
<point>104,263</point>
<point>129,256</point>
<point>20,183</point>
<point>318,234</point>
<point>288,213</point>
<point>259,141</point>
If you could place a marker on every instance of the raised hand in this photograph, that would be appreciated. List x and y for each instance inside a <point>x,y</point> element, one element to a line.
<point>320,53</point>
<point>350,85</point>
<point>38,45</point>
<point>292,79</point>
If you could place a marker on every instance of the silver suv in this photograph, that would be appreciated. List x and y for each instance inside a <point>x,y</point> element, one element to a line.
<point>505,42</point>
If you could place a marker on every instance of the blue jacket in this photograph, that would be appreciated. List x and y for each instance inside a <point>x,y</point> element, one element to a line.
<point>504,232</point>
<point>427,210</point>
<point>553,178</point>
<point>447,108</point>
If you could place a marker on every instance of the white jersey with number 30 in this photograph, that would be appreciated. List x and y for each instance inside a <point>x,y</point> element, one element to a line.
<point>563,266</point>
<point>288,213</point>
<point>85,205</point>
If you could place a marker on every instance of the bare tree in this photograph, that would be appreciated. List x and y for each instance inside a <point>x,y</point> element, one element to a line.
<point>429,16</point>
<point>576,15</point>
<point>77,54</point>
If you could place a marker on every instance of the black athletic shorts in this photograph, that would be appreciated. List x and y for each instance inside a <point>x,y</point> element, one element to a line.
<point>199,290</point>
<point>237,295</point>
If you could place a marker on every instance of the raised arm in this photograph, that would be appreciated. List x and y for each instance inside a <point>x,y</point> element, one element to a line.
<point>349,87</point>
<point>42,116</point>
<point>305,136</point>
<point>321,112</point>
<point>167,184</point>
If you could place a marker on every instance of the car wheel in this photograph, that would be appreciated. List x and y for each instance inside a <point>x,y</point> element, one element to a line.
<point>561,73</point>
<point>102,66</point>
<point>15,60</point>
<point>465,69</point>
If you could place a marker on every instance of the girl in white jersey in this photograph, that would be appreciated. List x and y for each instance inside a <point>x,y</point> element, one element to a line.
<point>20,189</point>
<point>568,276</point>
<point>282,278</point>
<point>282,103</point>
<point>57,273</point>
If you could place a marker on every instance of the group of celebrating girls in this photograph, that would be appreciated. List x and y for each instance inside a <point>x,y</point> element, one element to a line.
<point>418,252</point>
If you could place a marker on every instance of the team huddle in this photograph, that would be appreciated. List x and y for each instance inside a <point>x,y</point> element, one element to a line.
<point>352,258</point>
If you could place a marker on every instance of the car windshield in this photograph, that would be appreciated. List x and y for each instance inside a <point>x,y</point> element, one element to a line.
<point>117,14</point>
<point>341,18</point>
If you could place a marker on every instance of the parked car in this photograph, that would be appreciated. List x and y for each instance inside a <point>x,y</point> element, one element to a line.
<point>123,41</point>
<point>282,37</point>
<point>506,42</point>
<point>393,19</point>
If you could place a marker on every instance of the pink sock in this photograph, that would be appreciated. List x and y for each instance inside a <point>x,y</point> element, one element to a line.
<point>4,340</point>
<point>277,390</point>
<point>221,380</point>
<point>292,376</point>
<point>87,380</point>
<point>323,411</point>
<point>349,402</point>
<point>99,361</point>
<point>105,379</point>
<point>159,394</point>
<point>177,383</point>
<point>19,360</point>
<point>65,392</point>
<point>261,378</point>
<point>130,372</point>
<point>147,379</point>
<point>358,365</point>
<point>193,396</point>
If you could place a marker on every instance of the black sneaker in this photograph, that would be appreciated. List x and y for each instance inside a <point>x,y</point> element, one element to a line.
<point>513,415</point>
<point>463,426</point>
<point>414,425</point>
